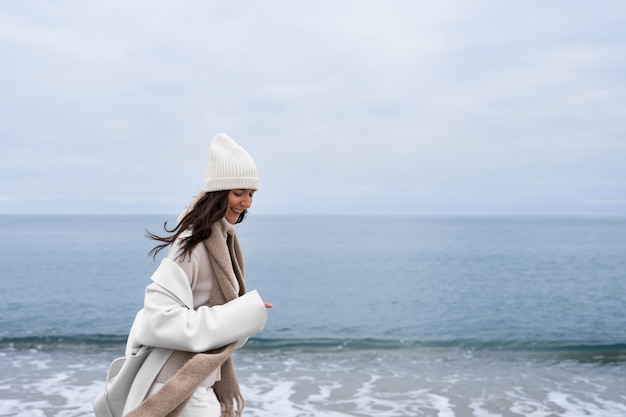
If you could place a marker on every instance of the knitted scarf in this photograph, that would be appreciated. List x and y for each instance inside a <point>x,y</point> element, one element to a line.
<point>227,263</point>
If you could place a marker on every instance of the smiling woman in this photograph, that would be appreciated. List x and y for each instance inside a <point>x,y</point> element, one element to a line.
<point>196,311</point>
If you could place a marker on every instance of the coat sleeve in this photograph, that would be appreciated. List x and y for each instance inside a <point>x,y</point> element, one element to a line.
<point>169,320</point>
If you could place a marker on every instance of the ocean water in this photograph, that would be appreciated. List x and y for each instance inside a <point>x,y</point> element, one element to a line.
<point>373,316</point>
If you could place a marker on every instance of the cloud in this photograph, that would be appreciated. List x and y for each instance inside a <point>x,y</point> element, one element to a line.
<point>351,107</point>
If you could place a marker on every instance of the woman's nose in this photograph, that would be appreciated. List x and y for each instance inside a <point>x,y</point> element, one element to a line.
<point>247,202</point>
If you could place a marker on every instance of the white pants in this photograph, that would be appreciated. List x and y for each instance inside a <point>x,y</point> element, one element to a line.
<point>203,402</point>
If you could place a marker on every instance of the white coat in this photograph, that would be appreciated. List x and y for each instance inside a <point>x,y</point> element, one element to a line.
<point>169,322</point>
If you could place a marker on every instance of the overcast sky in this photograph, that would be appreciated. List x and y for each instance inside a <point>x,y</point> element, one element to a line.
<point>347,107</point>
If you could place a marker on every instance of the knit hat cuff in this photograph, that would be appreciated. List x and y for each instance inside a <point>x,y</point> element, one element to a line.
<point>231,183</point>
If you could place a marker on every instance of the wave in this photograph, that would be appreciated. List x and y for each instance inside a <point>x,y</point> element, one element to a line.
<point>476,345</point>
<point>74,339</point>
<point>333,343</point>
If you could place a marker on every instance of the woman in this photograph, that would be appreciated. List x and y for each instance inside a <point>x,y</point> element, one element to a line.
<point>196,310</point>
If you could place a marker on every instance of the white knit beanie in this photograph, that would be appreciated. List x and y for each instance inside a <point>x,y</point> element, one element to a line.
<point>230,166</point>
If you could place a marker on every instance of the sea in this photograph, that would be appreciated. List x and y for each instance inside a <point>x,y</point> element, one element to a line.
<point>494,316</point>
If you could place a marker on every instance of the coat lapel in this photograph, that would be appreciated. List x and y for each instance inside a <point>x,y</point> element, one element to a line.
<point>173,278</point>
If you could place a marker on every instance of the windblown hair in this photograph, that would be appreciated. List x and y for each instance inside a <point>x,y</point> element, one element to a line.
<point>209,208</point>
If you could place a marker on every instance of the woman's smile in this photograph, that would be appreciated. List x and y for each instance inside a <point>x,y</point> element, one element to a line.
<point>238,202</point>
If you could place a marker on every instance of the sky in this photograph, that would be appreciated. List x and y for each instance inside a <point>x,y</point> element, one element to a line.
<point>347,107</point>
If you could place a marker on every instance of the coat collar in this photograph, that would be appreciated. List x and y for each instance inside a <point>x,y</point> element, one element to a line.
<point>173,278</point>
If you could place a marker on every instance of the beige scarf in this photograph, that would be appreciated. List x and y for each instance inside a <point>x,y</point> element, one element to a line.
<point>227,263</point>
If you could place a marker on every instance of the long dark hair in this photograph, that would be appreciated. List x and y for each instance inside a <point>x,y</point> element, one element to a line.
<point>209,208</point>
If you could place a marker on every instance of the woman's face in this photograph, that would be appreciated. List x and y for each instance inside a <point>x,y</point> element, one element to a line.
<point>238,201</point>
